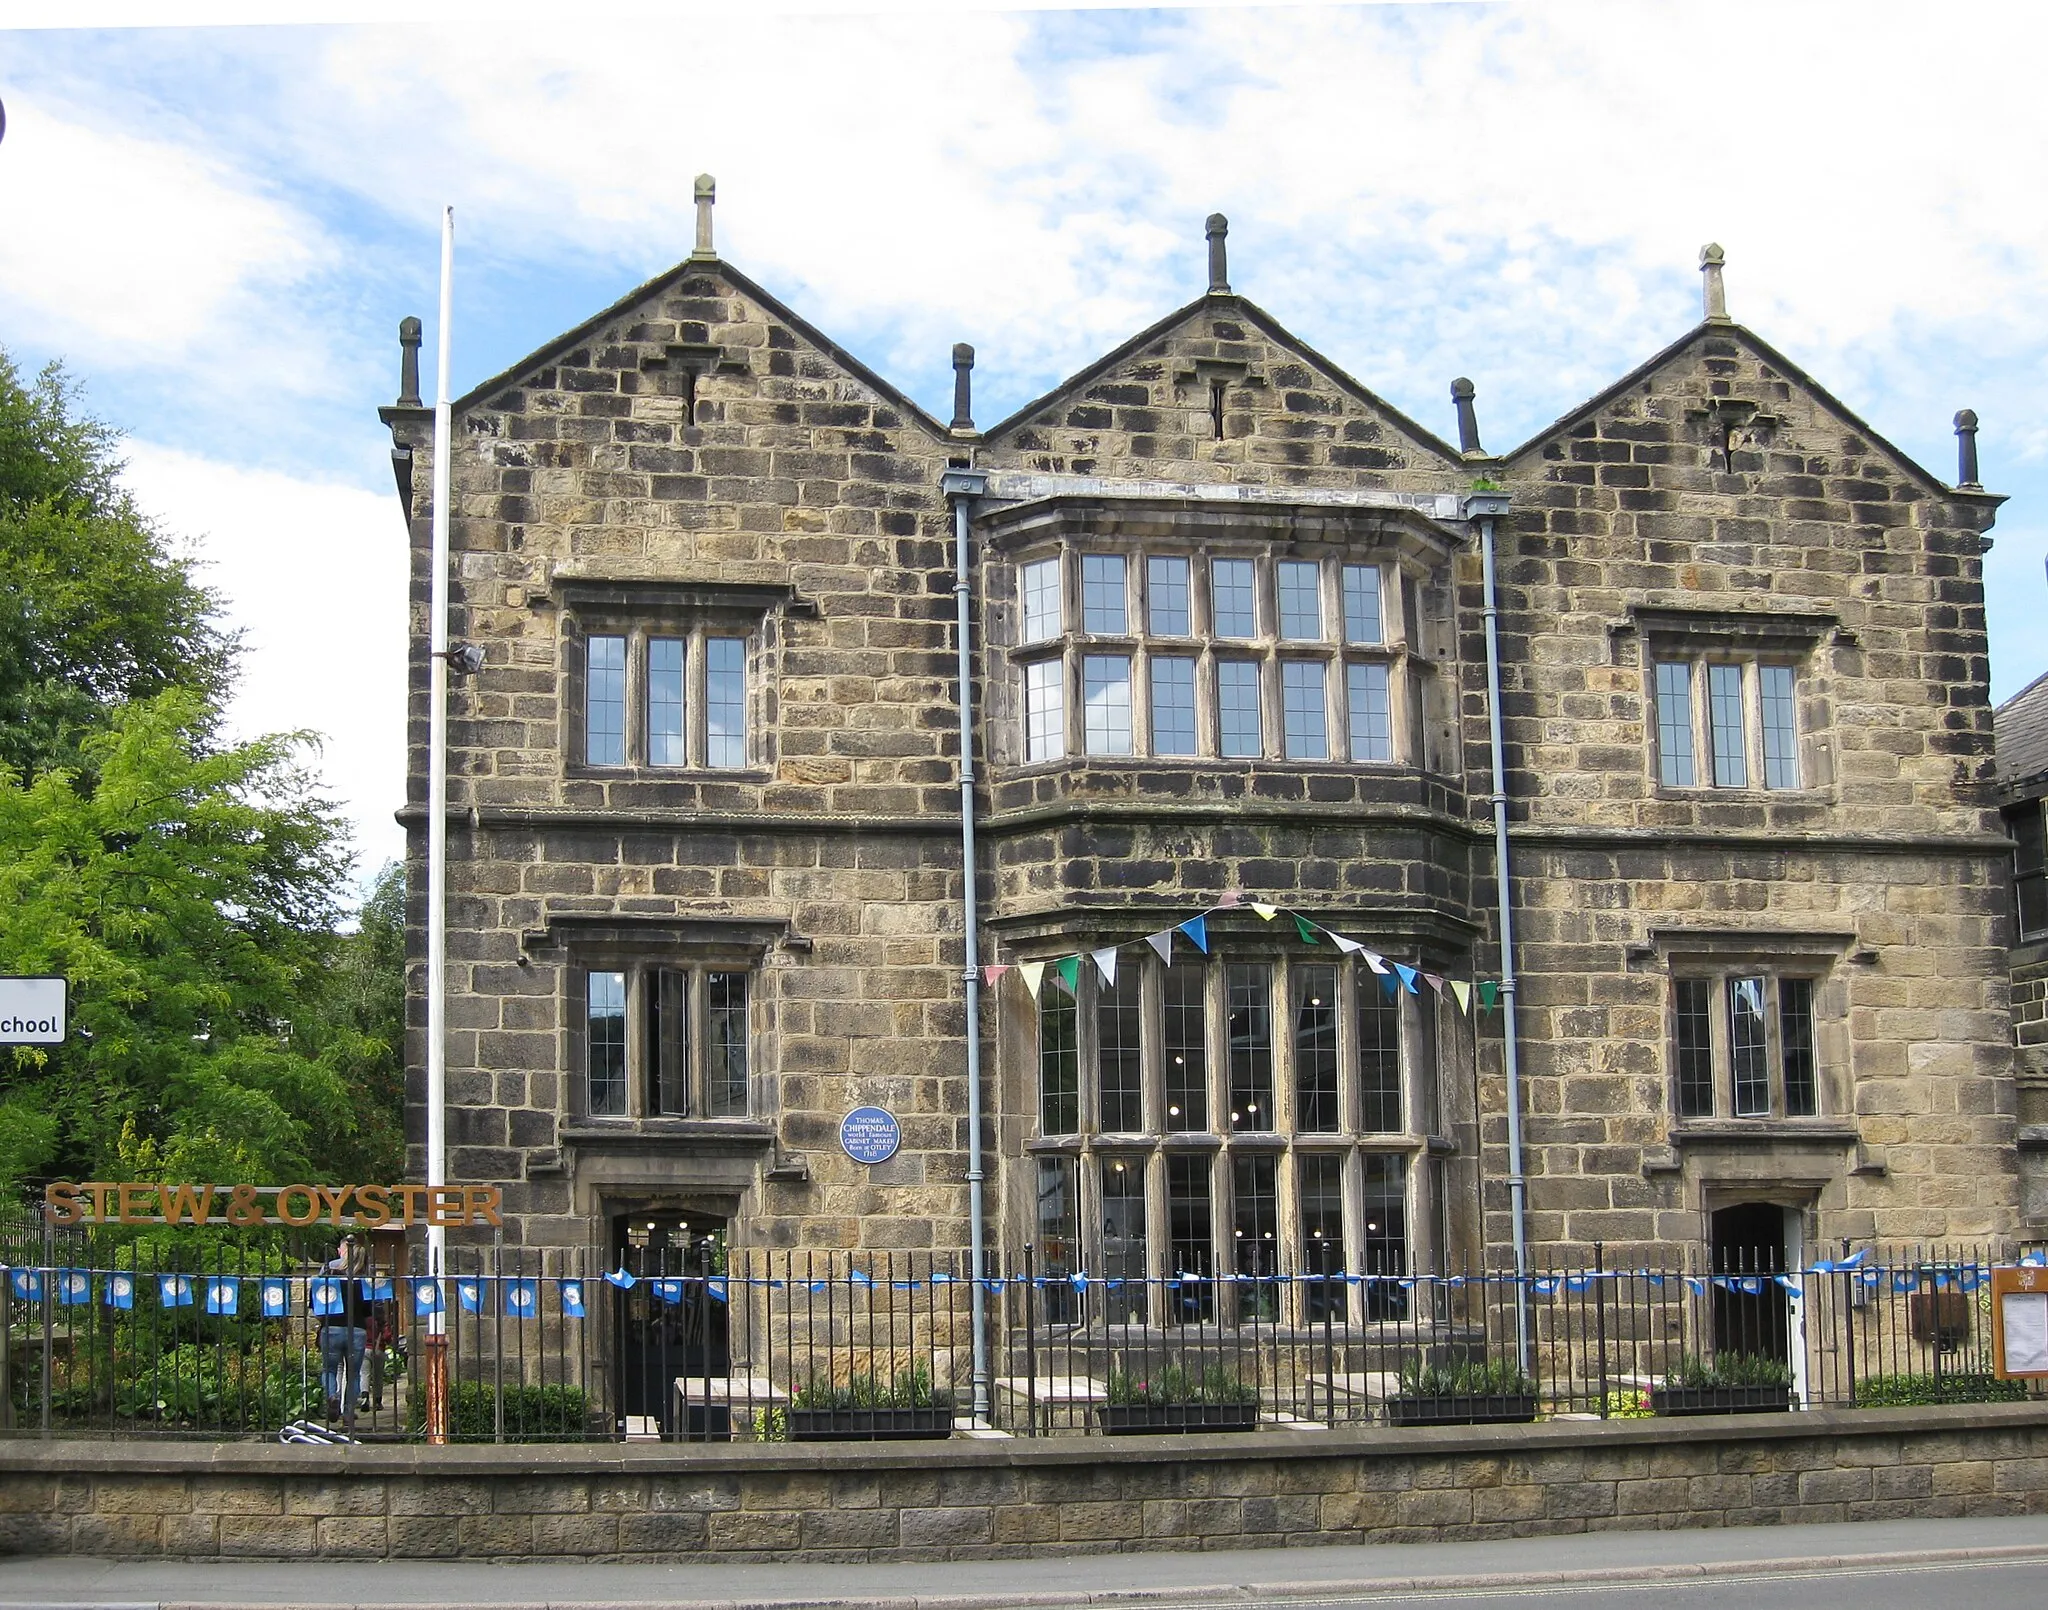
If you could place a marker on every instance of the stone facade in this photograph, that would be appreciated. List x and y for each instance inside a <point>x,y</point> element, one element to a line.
<point>2022,728</point>
<point>967,1500</point>
<point>704,795</point>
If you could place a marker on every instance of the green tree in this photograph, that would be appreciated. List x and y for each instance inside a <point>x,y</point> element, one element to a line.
<point>190,896</point>
<point>96,610</point>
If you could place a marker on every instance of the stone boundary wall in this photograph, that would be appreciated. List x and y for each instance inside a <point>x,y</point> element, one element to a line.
<point>970,1499</point>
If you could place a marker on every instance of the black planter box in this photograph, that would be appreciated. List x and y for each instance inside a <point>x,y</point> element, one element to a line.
<point>1165,1419</point>
<point>1459,1409</point>
<point>1720,1399</point>
<point>869,1425</point>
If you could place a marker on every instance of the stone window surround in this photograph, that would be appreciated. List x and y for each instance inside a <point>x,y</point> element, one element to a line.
<point>1722,953</point>
<point>1409,548</point>
<point>1749,639</point>
<point>642,608</point>
<point>583,944</point>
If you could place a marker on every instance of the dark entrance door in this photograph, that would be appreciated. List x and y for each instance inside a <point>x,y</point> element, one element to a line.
<point>671,1324</point>
<point>1751,1312</point>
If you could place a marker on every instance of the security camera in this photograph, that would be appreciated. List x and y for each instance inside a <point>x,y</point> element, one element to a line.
<point>465,659</point>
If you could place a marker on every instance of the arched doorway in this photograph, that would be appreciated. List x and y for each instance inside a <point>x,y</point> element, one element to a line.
<point>1751,1311</point>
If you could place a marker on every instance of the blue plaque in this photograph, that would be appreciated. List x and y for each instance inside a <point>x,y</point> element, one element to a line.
<point>870,1135</point>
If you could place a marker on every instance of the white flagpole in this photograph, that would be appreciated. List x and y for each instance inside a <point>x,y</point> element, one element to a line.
<point>437,849</point>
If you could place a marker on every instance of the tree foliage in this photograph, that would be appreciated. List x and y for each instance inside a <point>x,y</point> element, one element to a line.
<point>96,610</point>
<point>223,1028</point>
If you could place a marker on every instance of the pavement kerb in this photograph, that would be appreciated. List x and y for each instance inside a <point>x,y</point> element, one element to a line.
<point>1219,1594</point>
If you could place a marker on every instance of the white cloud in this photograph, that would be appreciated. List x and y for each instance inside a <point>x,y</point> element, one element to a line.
<point>314,574</point>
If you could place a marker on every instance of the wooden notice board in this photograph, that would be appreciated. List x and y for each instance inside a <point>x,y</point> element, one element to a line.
<point>2019,1321</point>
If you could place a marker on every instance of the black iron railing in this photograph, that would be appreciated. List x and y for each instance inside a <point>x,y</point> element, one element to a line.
<point>203,1337</point>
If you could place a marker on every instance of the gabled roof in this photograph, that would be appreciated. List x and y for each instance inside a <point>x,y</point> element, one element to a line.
<point>479,394</point>
<point>1268,326</point>
<point>2020,734</point>
<point>1791,371</point>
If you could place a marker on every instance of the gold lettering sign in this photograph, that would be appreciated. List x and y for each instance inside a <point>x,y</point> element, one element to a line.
<point>372,1207</point>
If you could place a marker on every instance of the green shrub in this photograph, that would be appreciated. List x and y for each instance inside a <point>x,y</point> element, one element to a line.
<point>532,1413</point>
<point>1174,1384</point>
<point>191,1386</point>
<point>1629,1403</point>
<point>907,1389</point>
<point>1465,1378</point>
<point>1728,1369</point>
<point>1904,1391</point>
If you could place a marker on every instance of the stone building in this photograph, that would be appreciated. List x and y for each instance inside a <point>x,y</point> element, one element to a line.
<point>1230,660</point>
<point>2022,728</point>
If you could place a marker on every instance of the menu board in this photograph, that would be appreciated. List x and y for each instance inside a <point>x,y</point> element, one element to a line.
<point>2019,1305</point>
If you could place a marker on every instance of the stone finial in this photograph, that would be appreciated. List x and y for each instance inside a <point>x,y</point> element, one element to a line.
<point>707,198</point>
<point>1714,292</point>
<point>408,362</point>
<point>1219,262</point>
<point>1966,451</point>
<point>963,386</point>
<point>1462,393</point>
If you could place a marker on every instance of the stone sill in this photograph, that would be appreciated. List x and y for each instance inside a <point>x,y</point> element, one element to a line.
<point>1763,1132</point>
<point>141,1457</point>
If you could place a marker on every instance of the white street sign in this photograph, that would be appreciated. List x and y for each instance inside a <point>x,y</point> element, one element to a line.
<point>32,1011</point>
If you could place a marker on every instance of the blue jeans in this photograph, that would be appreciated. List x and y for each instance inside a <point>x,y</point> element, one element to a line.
<point>341,1358</point>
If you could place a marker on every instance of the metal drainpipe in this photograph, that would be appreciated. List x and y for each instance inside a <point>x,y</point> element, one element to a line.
<point>1487,508</point>
<point>963,486</point>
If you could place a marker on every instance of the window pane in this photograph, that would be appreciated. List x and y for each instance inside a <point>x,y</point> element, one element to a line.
<point>668,1043</point>
<point>1694,1013</point>
<point>1186,1031</point>
<point>1041,586</point>
<point>1166,597</point>
<point>1123,1238</point>
<point>1379,1054</point>
<point>1363,622</point>
<point>1045,712</point>
<point>1102,594</point>
<point>1372,713</point>
<point>1781,726</point>
<point>1301,601</point>
<point>1321,1188</point>
<point>1255,1232</point>
<point>604,703</point>
<point>1304,710</point>
<point>1237,709</point>
<point>665,701</point>
<point>1059,1063</point>
<point>1795,1036</point>
<point>1315,1050</point>
<point>1173,706</point>
<point>1058,1236</point>
<point>725,701</point>
<point>1119,1061</point>
<point>1106,704</point>
<point>1385,1241</point>
<point>1191,1230</point>
<point>725,1048</point>
<point>1747,1052</point>
<point>1249,1024</point>
<point>1674,726</point>
<point>1424,1049</point>
<point>1230,592</point>
<point>1724,718</point>
<point>2030,866</point>
<point>604,1042</point>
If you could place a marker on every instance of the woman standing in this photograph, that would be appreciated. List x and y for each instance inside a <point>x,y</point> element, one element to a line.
<point>343,1335</point>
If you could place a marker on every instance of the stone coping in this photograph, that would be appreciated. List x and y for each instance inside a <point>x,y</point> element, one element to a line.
<point>26,1453</point>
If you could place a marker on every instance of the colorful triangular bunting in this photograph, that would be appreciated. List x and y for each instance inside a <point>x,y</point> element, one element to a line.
<point>1105,964</point>
<point>1163,943</point>
<point>1033,974</point>
<point>1197,930</point>
<point>1068,971</point>
<point>1306,929</point>
<point>1462,992</point>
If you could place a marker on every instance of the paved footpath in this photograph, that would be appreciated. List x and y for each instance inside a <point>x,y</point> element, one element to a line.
<point>1551,1566</point>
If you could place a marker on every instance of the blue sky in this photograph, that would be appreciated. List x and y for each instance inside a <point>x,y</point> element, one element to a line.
<point>230,220</point>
